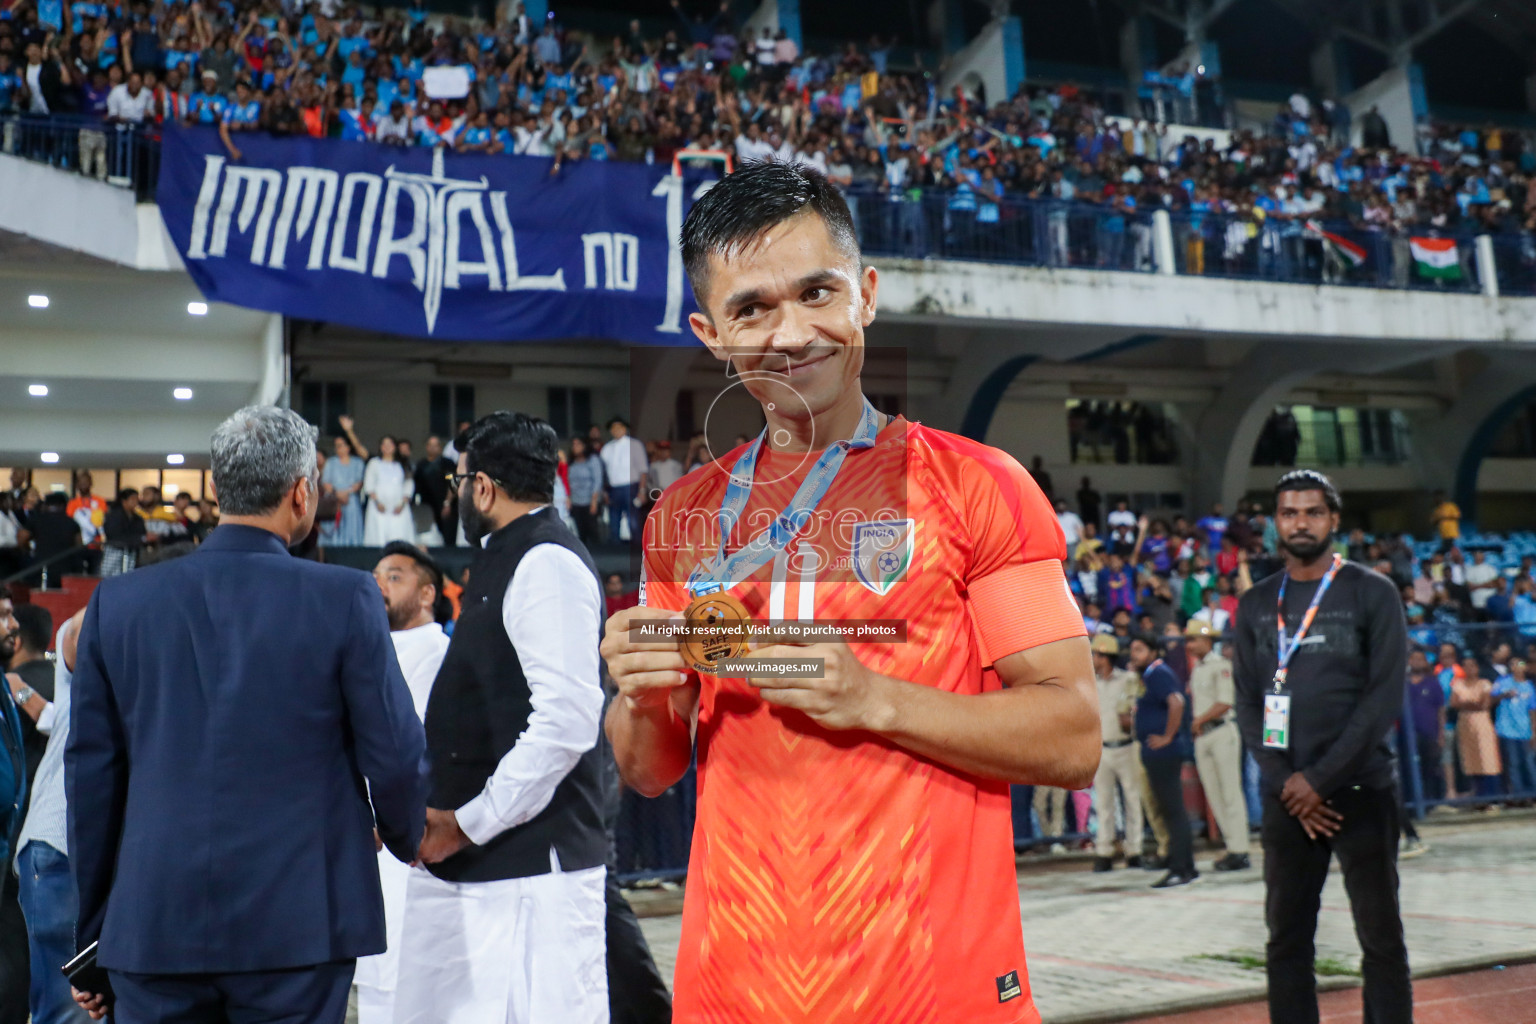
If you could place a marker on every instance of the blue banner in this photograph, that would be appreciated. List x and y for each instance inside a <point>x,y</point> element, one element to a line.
<point>431,243</point>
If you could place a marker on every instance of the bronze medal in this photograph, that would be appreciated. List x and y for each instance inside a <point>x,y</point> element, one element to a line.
<point>718,627</point>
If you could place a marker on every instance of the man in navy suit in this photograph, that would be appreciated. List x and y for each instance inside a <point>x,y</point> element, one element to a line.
<point>227,710</point>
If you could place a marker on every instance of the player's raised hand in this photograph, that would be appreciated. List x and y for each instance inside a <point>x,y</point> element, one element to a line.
<point>646,672</point>
<point>845,696</point>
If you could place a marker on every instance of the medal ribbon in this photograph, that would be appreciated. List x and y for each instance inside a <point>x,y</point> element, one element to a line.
<point>1288,651</point>
<point>722,573</point>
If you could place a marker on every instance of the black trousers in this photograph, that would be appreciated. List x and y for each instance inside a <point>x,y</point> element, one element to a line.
<point>1165,774</point>
<point>636,993</point>
<point>300,995</point>
<point>586,524</point>
<point>15,955</point>
<point>1295,868</point>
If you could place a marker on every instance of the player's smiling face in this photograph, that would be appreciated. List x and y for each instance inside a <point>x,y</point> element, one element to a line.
<point>790,308</point>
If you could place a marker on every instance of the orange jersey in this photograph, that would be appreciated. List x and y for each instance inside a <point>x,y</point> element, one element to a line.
<point>835,876</point>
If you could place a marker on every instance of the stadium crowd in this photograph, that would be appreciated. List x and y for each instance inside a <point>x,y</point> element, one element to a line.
<point>327,70</point>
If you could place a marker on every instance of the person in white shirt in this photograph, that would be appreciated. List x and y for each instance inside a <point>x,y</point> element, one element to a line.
<point>625,460</point>
<point>1071,524</point>
<point>766,50</point>
<point>412,585</point>
<point>504,920</point>
<point>388,487</point>
<point>394,127</point>
<point>750,145</point>
<point>129,103</point>
<point>1122,528</point>
<point>664,472</point>
<point>1480,579</point>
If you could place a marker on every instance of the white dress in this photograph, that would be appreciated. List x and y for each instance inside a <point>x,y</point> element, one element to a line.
<point>420,652</point>
<point>388,484</point>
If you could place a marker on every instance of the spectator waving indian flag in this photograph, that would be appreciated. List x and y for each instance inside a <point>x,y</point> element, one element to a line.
<point>1436,258</point>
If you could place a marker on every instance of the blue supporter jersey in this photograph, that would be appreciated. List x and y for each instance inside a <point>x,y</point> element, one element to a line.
<point>184,59</point>
<point>1512,717</point>
<point>51,13</point>
<point>247,113</point>
<point>507,140</point>
<point>348,44</point>
<point>476,136</point>
<point>82,9</point>
<point>353,127</point>
<point>10,84</point>
<point>206,107</point>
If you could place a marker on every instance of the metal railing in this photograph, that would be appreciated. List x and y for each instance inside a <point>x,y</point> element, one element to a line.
<point>1514,258</point>
<point>1018,231</point>
<point>126,155</point>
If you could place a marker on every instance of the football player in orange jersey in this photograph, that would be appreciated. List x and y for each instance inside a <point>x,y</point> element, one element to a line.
<point>852,857</point>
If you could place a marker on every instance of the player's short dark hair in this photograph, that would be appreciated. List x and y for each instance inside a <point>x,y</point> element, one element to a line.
<point>1310,480</point>
<point>1154,644</point>
<point>34,627</point>
<point>56,499</point>
<point>745,204</point>
<point>518,451</point>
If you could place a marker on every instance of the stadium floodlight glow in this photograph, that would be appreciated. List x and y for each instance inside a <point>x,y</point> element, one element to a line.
<point>175,460</point>
<point>50,457</point>
<point>197,308</point>
<point>37,301</point>
<point>37,390</point>
<point>182,394</point>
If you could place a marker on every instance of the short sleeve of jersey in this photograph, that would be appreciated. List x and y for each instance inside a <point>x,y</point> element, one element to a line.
<point>1161,684</point>
<point>1019,594</point>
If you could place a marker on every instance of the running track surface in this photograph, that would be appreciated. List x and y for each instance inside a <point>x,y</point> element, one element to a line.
<point>1479,997</point>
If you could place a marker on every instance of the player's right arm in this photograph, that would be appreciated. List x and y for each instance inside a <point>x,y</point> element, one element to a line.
<point>650,724</point>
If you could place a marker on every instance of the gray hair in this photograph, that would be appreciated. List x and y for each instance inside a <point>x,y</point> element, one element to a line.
<point>259,453</point>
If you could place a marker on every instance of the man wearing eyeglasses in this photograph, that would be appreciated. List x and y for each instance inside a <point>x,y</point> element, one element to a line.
<point>504,919</point>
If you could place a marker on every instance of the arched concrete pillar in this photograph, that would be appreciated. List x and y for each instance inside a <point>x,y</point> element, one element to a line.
<point>1230,427</point>
<point>988,363</point>
<point>1452,453</point>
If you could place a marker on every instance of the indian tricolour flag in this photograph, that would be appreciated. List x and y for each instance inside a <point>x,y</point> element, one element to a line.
<point>1349,253</point>
<point>1436,258</point>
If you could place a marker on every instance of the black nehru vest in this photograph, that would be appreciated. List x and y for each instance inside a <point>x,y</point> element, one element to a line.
<point>480,705</point>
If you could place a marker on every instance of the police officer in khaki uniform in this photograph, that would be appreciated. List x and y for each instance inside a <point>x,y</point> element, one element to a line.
<point>1120,763</point>
<point>1218,748</point>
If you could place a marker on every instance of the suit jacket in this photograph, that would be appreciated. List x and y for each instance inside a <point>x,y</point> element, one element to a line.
<point>227,708</point>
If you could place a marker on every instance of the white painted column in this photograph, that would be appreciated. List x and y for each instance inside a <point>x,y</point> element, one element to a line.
<point>1487,270</point>
<point>1162,243</point>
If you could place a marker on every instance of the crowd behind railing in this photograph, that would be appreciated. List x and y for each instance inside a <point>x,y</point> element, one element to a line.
<point>1041,177</point>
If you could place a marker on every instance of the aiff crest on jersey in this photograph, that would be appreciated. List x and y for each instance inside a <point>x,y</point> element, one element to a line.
<point>882,551</point>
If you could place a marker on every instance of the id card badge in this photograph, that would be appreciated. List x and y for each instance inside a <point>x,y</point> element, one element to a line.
<point>1277,720</point>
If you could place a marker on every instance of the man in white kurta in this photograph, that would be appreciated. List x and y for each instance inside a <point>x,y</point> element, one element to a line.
<point>505,922</point>
<point>411,584</point>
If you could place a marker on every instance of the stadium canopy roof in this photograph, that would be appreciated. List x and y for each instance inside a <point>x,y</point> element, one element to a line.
<point>1394,28</point>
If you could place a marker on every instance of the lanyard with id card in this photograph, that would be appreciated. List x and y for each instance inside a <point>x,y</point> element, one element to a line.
<point>1277,705</point>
